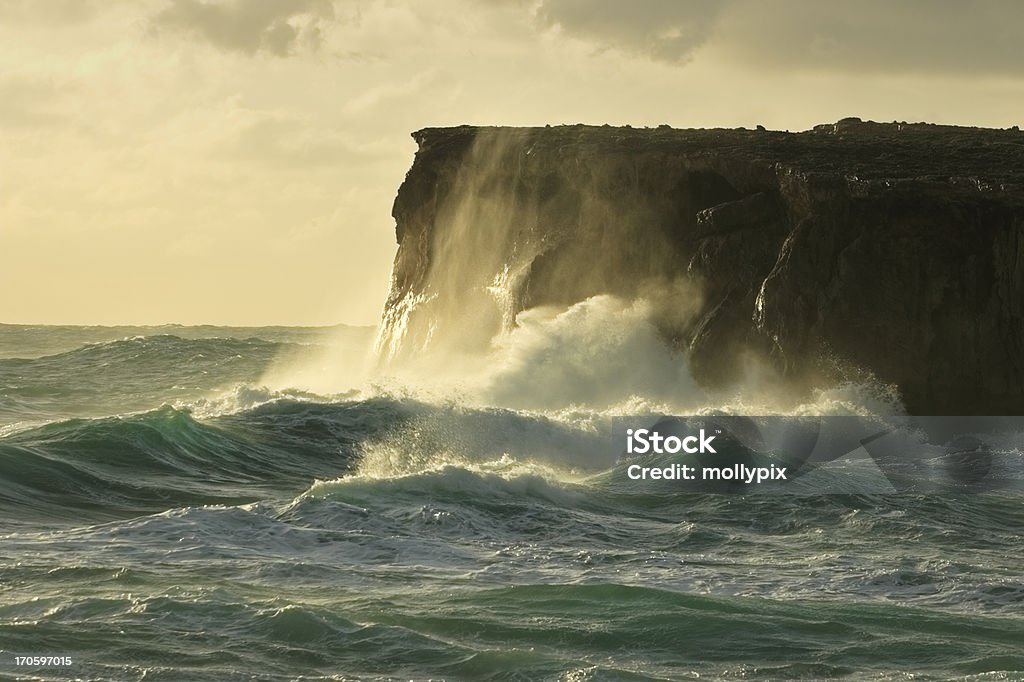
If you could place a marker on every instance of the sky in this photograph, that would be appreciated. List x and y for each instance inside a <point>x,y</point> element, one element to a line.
<point>235,161</point>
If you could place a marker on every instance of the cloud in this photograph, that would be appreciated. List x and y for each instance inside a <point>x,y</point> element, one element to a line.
<point>49,12</point>
<point>949,37</point>
<point>957,37</point>
<point>670,30</point>
<point>291,143</point>
<point>26,103</point>
<point>276,27</point>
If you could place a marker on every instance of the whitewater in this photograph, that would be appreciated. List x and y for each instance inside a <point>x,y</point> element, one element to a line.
<point>216,503</point>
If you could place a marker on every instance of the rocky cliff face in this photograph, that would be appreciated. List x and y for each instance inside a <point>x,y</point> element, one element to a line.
<point>892,248</point>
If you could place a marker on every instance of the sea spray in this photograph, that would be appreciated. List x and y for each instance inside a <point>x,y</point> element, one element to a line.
<point>277,532</point>
<point>496,238</point>
<point>599,352</point>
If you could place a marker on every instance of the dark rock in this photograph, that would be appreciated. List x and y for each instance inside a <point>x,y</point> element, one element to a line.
<point>893,248</point>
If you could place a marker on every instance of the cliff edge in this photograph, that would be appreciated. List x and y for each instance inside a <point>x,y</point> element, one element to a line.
<point>893,248</point>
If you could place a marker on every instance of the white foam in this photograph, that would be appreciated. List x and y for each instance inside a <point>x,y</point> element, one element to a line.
<point>598,353</point>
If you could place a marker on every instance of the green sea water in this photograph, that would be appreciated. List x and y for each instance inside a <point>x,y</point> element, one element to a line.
<point>166,517</point>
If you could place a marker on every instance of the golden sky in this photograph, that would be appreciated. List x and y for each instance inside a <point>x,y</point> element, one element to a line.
<point>234,161</point>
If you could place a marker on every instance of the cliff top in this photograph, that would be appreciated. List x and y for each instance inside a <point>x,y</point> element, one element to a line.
<point>850,147</point>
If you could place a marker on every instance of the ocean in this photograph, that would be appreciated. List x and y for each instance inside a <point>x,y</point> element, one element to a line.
<point>172,509</point>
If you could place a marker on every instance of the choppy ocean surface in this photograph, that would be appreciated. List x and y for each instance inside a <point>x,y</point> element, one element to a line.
<point>165,516</point>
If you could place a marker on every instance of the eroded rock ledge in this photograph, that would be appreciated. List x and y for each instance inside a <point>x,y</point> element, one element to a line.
<point>895,248</point>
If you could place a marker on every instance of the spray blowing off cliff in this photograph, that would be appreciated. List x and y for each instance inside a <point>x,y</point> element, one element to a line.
<point>891,248</point>
<point>509,227</point>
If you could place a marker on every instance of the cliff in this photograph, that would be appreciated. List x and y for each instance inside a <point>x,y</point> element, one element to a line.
<point>892,248</point>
